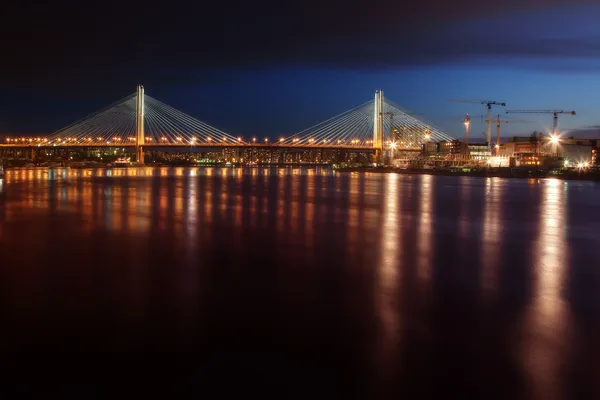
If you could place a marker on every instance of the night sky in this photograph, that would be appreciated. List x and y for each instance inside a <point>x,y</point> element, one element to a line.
<point>274,68</point>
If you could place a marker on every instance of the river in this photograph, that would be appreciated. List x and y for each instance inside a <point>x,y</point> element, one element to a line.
<point>298,282</point>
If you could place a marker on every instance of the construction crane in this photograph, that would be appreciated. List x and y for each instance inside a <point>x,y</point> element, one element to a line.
<point>489,104</point>
<point>553,112</point>
<point>498,122</point>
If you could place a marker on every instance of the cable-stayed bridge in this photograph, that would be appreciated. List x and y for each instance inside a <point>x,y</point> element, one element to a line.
<point>143,122</point>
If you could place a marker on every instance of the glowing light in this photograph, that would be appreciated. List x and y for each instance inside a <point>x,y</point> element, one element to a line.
<point>239,139</point>
<point>266,140</point>
<point>280,140</point>
<point>554,140</point>
<point>393,145</point>
<point>254,139</point>
<point>208,139</point>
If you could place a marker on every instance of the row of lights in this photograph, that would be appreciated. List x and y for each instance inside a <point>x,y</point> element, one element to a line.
<point>25,140</point>
<point>72,140</point>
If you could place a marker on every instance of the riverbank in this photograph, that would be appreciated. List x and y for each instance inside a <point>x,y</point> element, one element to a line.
<point>592,175</point>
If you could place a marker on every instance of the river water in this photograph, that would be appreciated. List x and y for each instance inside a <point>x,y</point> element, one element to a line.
<point>292,282</point>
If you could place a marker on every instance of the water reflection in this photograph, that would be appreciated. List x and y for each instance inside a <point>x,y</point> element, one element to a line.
<point>492,234</point>
<point>424,231</point>
<point>465,203</point>
<point>389,267</point>
<point>333,271</point>
<point>547,319</point>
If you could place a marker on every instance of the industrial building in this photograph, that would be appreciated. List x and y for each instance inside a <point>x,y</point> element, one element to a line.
<point>533,150</point>
<point>456,150</point>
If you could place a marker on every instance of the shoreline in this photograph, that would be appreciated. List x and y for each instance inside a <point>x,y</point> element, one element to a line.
<point>510,173</point>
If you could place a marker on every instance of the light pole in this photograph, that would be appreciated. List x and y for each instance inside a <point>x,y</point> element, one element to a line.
<point>554,140</point>
<point>467,122</point>
<point>393,146</point>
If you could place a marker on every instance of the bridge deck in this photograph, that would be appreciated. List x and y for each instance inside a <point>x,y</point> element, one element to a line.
<point>197,146</point>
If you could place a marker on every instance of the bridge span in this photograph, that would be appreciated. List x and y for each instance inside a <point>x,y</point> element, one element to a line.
<point>142,123</point>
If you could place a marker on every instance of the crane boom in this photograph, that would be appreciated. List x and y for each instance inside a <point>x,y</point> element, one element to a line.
<point>486,102</point>
<point>541,112</point>
<point>553,112</point>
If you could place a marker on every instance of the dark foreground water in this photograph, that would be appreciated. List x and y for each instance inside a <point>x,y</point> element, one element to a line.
<point>298,283</point>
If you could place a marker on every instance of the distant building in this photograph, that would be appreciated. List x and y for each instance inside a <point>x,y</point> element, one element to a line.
<point>516,146</point>
<point>456,150</point>
<point>538,150</point>
<point>479,151</point>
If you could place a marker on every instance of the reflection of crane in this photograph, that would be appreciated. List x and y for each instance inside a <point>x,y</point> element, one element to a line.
<point>498,122</point>
<point>554,112</point>
<point>489,104</point>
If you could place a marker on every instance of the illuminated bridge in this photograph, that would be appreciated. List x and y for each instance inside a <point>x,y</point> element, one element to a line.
<point>142,122</point>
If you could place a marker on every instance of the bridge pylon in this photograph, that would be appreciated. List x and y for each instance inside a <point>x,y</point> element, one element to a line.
<point>378,128</point>
<point>139,125</point>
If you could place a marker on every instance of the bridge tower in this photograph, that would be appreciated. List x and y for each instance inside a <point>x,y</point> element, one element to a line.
<point>139,125</point>
<point>378,115</point>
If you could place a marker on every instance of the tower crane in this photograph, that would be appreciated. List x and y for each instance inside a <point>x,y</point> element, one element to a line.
<point>498,122</point>
<point>489,104</point>
<point>553,112</point>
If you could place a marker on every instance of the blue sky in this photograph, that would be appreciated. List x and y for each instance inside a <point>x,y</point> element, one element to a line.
<point>279,81</point>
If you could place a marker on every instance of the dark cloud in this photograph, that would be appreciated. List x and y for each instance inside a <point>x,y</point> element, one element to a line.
<point>102,46</point>
<point>592,132</point>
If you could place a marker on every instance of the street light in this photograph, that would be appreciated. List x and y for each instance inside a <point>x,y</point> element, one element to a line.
<point>554,140</point>
<point>393,146</point>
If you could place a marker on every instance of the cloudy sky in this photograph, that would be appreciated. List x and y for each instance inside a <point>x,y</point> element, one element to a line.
<point>273,68</point>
